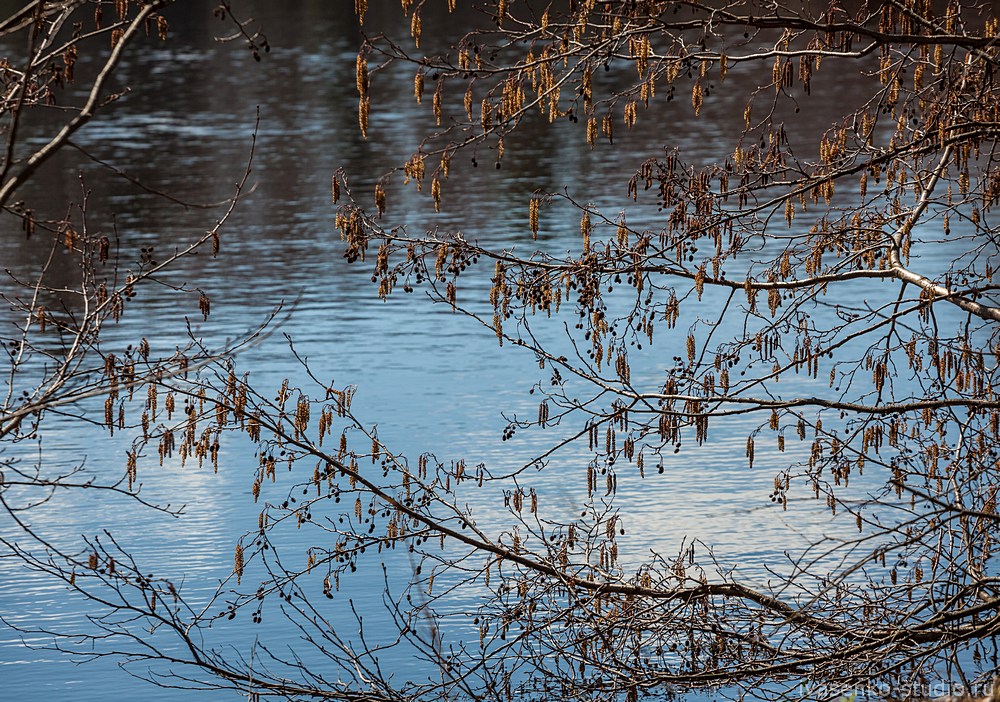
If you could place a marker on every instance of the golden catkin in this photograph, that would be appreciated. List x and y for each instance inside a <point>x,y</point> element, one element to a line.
<point>697,96</point>
<point>238,562</point>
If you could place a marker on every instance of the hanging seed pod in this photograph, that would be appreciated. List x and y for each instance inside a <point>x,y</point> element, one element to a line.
<point>131,467</point>
<point>204,305</point>
<point>631,114</point>
<point>363,108</point>
<point>238,563</point>
<point>533,205</point>
<point>361,75</point>
<point>467,101</point>
<point>773,300</point>
<point>436,193</point>
<point>697,96</point>
<point>416,26</point>
<point>418,86</point>
<point>437,100</point>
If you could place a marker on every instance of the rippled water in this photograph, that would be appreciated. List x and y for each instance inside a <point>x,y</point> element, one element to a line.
<point>430,379</point>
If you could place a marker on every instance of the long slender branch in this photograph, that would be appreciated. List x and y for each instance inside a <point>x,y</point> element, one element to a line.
<point>86,113</point>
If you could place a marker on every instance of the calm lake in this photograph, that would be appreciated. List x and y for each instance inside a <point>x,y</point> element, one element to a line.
<point>433,381</point>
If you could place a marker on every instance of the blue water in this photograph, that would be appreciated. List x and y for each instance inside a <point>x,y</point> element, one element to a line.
<point>432,381</point>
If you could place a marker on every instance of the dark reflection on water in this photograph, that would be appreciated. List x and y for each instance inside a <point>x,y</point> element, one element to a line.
<point>431,379</point>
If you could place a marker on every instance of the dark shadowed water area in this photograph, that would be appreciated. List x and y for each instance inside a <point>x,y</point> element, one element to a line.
<point>432,380</point>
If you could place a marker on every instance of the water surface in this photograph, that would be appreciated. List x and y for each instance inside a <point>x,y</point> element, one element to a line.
<point>433,381</point>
